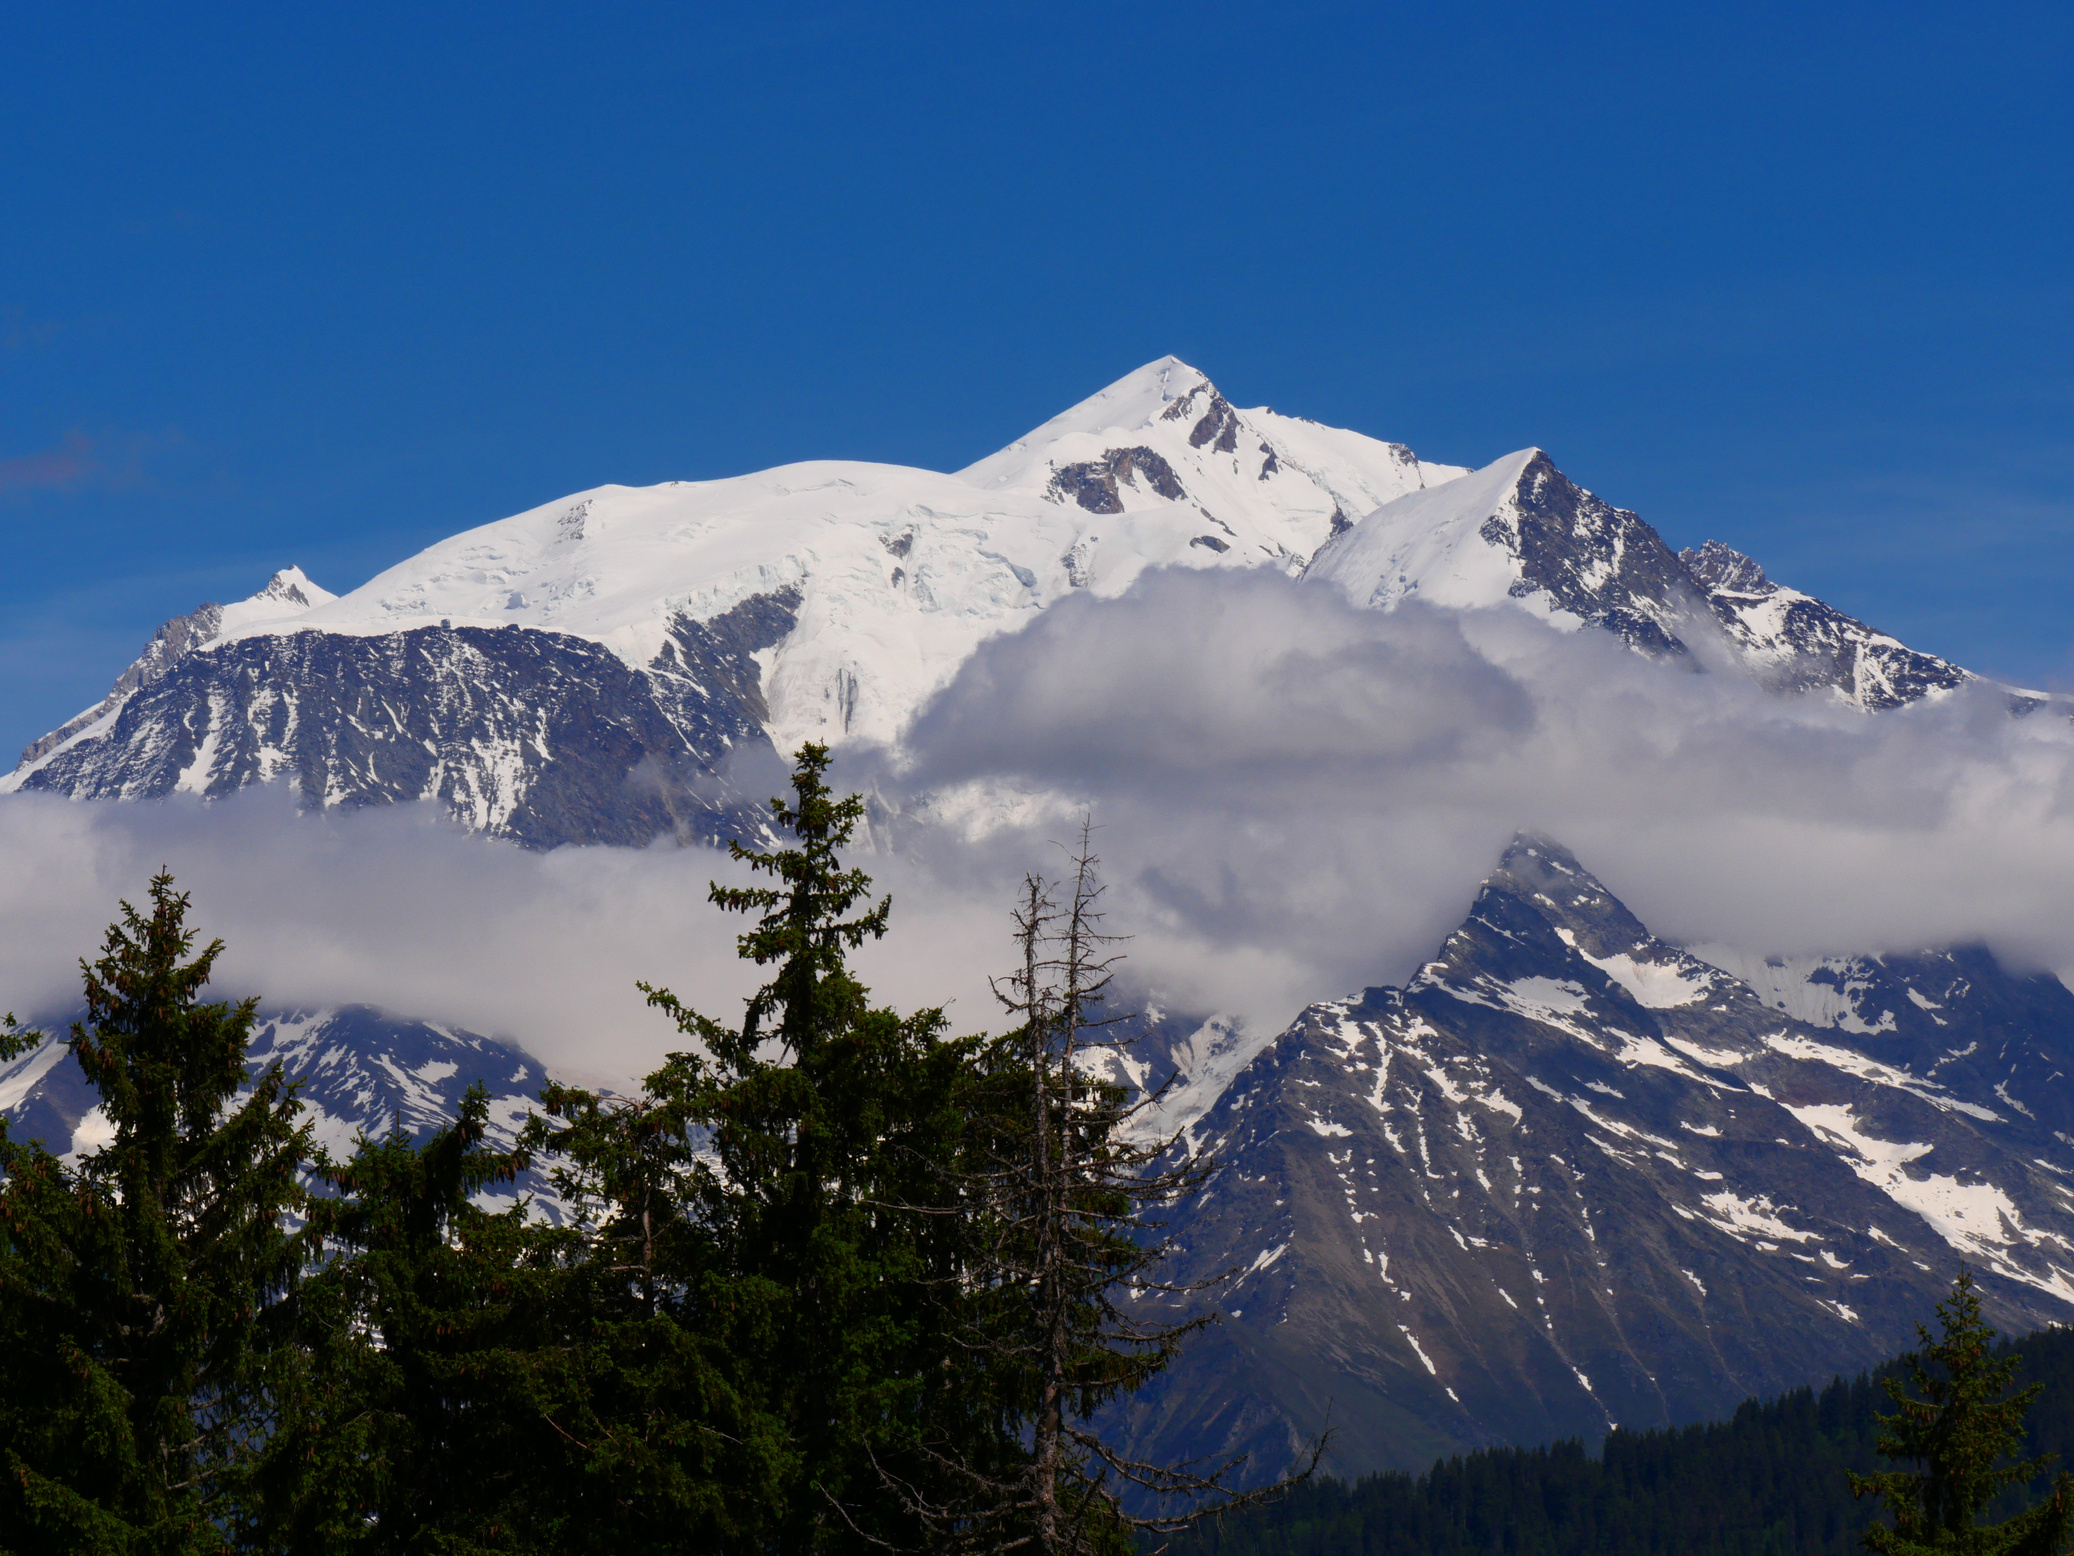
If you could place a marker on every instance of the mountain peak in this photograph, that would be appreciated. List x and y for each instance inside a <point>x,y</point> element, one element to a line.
<point>1138,400</point>
<point>1541,905</point>
<point>292,586</point>
<point>1522,532</point>
<point>286,595</point>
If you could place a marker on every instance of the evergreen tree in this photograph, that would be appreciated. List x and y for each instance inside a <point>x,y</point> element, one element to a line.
<point>1963,1431</point>
<point>441,1405</point>
<point>832,1128</point>
<point>139,1290</point>
<point>1770,1481</point>
<point>682,1453</point>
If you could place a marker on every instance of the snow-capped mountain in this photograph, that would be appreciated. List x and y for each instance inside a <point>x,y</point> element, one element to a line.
<point>1519,531</point>
<point>590,670</point>
<point>360,1071</point>
<point>1570,1175</point>
<point>627,662</point>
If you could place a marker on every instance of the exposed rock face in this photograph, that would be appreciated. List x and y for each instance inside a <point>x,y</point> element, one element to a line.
<point>1520,530</point>
<point>1793,642</point>
<point>1093,483</point>
<point>535,736</point>
<point>1600,563</point>
<point>1570,1175</point>
<point>1718,567</point>
<point>1219,427</point>
<point>172,643</point>
<point>287,593</point>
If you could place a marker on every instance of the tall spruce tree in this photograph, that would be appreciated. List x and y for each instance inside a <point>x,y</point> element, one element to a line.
<point>831,1128</point>
<point>1965,1431</point>
<point>138,1288</point>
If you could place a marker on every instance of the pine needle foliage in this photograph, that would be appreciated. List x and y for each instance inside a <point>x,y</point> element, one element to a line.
<point>829,1128</point>
<point>139,1290</point>
<point>1964,1431</point>
<point>436,1362</point>
<point>673,1431</point>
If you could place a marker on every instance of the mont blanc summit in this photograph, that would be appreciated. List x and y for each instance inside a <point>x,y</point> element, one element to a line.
<point>594,669</point>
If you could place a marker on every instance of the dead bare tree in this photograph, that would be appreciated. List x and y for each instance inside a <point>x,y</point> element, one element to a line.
<point>1065,1294</point>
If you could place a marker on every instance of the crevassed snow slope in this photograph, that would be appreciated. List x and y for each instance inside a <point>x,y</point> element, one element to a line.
<point>901,572</point>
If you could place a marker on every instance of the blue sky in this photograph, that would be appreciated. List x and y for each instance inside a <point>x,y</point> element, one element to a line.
<point>322,285</point>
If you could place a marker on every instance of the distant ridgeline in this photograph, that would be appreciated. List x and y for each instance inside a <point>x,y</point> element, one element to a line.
<point>1769,1482</point>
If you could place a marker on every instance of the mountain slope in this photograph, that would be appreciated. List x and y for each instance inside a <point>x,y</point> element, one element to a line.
<point>1771,1478</point>
<point>536,736</point>
<point>1571,1176</point>
<point>361,1071</point>
<point>1793,642</point>
<point>1519,531</point>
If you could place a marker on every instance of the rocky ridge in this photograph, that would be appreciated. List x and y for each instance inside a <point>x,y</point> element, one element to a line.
<point>1794,643</point>
<point>540,737</point>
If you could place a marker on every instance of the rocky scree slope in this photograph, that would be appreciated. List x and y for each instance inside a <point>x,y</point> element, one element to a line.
<point>1570,1175</point>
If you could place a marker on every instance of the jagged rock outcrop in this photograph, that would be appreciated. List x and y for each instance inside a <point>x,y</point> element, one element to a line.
<point>1794,643</point>
<point>539,737</point>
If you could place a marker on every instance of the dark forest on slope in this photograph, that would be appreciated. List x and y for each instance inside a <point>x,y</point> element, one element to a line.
<point>1769,1482</point>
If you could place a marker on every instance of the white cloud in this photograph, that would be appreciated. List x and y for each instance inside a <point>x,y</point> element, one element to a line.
<point>1296,798</point>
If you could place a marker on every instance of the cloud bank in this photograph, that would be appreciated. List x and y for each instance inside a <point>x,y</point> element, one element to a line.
<point>1294,798</point>
<point>1282,774</point>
